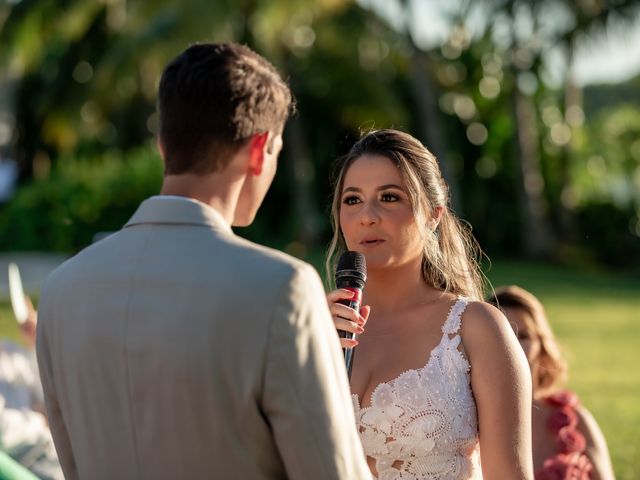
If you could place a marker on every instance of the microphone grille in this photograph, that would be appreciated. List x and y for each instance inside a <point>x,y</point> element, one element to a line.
<point>353,261</point>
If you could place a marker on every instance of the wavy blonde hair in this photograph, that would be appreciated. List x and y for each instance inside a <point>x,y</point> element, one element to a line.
<point>450,253</point>
<point>549,369</point>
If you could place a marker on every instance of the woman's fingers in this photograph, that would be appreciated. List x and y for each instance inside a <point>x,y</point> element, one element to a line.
<point>339,294</point>
<point>342,311</point>
<point>346,318</point>
<point>347,325</point>
<point>365,310</point>
<point>32,312</point>
<point>346,343</point>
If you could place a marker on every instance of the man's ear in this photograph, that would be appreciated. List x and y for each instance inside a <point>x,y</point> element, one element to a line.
<point>256,152</point>
<point>159,146</point>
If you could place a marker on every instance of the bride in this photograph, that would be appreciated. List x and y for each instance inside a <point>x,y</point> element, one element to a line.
<point>440,386</point>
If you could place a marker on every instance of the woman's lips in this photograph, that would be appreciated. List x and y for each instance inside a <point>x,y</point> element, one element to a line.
<point>371,242</point>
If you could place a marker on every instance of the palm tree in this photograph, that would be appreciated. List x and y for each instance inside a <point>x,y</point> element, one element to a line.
<point>590,19</point>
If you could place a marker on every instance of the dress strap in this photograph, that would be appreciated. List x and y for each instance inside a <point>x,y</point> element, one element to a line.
<point>454,319</point>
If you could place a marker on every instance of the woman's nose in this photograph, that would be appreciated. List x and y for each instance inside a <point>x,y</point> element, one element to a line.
<point>369,214</point>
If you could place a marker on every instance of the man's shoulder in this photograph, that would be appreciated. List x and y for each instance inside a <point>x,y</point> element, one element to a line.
<point>260,256</point>
<point>62,272</point>
<point>87,259</point>
<point>237,259</point>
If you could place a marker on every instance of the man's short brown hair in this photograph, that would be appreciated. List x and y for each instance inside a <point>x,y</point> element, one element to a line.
<point>212,99</point>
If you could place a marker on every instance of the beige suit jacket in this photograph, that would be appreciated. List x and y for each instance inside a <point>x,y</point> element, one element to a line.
<point>174,349</point>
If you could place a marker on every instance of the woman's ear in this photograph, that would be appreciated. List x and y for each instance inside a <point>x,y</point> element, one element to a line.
<point>436,217</point>
<point>256,152</point>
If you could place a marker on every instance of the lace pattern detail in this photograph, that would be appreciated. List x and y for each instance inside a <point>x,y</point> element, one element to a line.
<point>423,424</point>
<point>454,319</point>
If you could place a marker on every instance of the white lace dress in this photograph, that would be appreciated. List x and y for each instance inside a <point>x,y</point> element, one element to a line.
<point>423,424</point>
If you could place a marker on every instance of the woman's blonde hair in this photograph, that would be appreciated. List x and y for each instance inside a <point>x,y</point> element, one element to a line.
<point>450,254</point>
<point>549,369</point>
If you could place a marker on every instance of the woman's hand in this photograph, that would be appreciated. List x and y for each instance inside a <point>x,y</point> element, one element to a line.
<point>28,328</point>
<point>346,318</point>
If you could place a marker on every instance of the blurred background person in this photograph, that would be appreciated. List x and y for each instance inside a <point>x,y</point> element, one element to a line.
<point>24,430</point>
<point>567,441</point>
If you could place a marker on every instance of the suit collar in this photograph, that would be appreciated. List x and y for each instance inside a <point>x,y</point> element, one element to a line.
<point>170,209</point>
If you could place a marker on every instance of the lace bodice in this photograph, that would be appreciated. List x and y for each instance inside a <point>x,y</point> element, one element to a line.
<point>423,424</point>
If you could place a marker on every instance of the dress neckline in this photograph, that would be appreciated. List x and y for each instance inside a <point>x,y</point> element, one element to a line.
<point>393,380</point>
<point>453,316</point>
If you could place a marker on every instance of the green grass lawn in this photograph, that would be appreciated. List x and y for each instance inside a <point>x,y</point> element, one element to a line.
<point>596,317</point>
<point>8,325</point>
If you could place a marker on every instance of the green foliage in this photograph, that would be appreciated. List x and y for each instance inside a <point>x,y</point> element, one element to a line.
<point>81,80</point>
<point>81,197</point>
<point>612,242</point>
<point>602,97</point>
<point>8,325</point>
<point>606,152</point>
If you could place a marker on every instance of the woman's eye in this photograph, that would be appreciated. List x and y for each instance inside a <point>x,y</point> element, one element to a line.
<point>350,200</point>
<point>389,197</point>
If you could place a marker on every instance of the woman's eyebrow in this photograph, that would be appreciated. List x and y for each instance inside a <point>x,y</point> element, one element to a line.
<point>388,186</point>
<point>381,187</point>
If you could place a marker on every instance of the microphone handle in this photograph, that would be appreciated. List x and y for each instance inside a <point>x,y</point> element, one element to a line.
<point>355,304</point>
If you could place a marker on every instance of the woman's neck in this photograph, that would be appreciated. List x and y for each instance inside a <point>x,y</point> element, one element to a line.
<point>392,290</point>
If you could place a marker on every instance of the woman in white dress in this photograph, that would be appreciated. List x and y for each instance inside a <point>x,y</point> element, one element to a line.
<point>440,385</point>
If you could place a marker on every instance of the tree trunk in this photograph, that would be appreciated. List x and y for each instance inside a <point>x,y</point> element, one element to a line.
<point>302,171</point>
<point>536,231</point>
<point>566,217</point>
<point>7,117</point>
<point>425,96</point>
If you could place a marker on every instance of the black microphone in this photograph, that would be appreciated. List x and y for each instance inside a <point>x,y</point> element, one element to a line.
<point>351,274</point>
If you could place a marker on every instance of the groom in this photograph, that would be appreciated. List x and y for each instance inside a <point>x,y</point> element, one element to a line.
<point>174,349</point>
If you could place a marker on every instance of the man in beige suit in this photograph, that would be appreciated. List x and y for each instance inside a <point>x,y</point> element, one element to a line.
<point>174,349</point>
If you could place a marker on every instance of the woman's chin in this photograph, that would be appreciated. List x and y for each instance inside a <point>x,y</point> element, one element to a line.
<point>376,262</point>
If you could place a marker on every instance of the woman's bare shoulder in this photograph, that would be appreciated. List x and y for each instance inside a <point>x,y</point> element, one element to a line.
<point>485,329</point>
<point>589,426</point>
<point>481,318</point>
<point>596,447</point>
